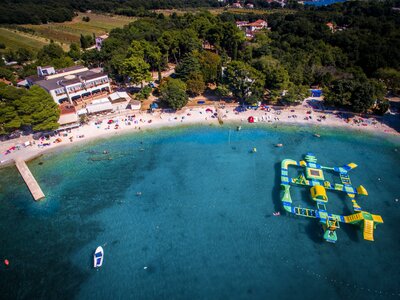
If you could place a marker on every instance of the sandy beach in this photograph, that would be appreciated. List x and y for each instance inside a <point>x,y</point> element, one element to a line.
<point>131,121</point>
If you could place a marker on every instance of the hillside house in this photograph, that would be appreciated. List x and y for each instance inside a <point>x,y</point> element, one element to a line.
<point>251,28</point>
<point>237,5</point>
<point>3,80</point>
<point>331,26</point>
<point>281,2</point>
<point>99,41</point>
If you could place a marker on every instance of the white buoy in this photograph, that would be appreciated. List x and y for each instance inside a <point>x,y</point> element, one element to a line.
<point>145,268</point>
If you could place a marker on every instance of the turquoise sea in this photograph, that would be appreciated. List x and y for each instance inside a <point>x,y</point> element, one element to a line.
<point>202,227</point>
<point>323,2</point>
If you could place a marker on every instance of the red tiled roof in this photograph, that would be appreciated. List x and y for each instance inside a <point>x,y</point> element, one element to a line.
<point>5,81</point>
<point>258,23</point>
<point>67,109</point>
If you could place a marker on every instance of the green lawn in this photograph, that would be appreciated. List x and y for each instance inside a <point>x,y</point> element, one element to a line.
<point>69,32</point>
<point>14,39</point>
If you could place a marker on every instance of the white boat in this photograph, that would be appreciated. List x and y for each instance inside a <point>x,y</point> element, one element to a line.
<point>98,257</point>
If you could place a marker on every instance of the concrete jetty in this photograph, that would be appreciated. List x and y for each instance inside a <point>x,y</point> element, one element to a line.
<point>30,181</point>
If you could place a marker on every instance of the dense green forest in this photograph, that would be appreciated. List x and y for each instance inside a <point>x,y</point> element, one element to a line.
<point>356,61</point>
<point>20,108</point>
<point>356,64</point>
<point>37,12</point>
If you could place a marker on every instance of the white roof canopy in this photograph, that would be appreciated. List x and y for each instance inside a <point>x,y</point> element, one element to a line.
<point>99,106</point>
<point>68,119</point>
<point>119,95</point>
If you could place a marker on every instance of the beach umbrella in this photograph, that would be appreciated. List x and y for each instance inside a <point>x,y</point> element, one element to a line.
<point>251,119</point>
<point>209,110</point>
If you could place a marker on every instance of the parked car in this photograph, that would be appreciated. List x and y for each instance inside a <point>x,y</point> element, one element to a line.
<point>49,133</point>
<point>3,137</point>
<point>37,135</point>
<point>41,134</point>
<point>14,135</point>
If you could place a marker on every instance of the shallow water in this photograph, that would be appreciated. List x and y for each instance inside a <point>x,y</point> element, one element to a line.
<point>202,227</point>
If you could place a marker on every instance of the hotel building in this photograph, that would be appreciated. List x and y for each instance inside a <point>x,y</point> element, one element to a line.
<point>71,84</point>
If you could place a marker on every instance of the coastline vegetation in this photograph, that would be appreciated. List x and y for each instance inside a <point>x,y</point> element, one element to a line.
<point>33,108</point>
<point>355,59</point>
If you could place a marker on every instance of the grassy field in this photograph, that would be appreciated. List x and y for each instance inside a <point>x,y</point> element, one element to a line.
<point>15,39</point>
<point>69,32</point>
<point>62,33</point>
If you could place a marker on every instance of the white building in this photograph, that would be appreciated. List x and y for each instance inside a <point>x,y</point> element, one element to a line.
<point>119,97</point>
<point>135,104</point>
<point>251,28</point>
<point>71,84</point>
<point>99,106</point>
<point>119,100</point>
<point>99,41</point>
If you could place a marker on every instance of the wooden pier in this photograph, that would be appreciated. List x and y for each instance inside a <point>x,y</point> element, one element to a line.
<point>30,181</point>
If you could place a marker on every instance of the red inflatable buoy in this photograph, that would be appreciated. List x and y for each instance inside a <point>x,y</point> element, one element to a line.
<point>6,262</point>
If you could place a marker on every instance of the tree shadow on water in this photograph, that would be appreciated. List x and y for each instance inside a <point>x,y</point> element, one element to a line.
<point>351,231</point>
<point>276,191</point>
<point>314,231</point>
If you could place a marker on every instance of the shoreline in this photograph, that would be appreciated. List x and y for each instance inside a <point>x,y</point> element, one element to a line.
<point>143,122</point>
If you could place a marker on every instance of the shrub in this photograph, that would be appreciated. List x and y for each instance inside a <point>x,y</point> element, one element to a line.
<point>144,93</point>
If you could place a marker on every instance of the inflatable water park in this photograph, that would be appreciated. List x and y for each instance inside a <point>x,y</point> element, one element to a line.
<point>312,175</point>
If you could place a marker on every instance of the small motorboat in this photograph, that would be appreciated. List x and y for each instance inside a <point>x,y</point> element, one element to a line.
<point>98,257</point>
<point>317,135</point>
<point>279,145</point>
